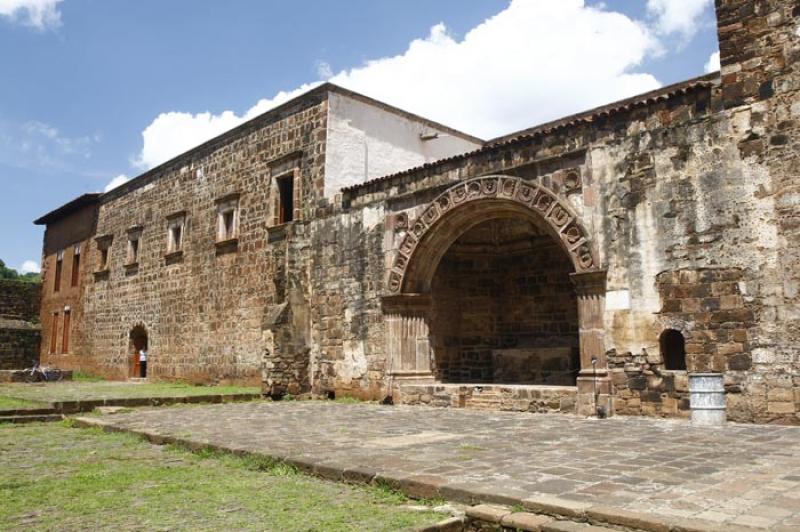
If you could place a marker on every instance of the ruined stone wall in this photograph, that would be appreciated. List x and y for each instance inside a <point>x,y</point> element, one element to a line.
<point>204,307</point>
<point>664,186</point>
<point>760,56</point>
<point>20,331</point>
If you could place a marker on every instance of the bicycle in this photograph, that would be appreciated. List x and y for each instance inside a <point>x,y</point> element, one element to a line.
<point>39,373</point>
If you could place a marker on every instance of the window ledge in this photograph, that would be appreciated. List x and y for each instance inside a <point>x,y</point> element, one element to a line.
<point>174,256</point>
<point>227,246</point>
<point>102,274</point>
<point>131,265</point>
<point>281,231</point>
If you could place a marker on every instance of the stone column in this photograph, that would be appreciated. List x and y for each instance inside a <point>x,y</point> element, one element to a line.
<point>408,348</point>
<point>594,383</point>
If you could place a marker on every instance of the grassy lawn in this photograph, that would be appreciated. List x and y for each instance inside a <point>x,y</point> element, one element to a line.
<point>85,390</point>
<point>11,403</point>
<point>53,477</point>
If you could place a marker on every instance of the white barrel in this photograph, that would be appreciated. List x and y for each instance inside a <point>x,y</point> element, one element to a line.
<point>707,398</point>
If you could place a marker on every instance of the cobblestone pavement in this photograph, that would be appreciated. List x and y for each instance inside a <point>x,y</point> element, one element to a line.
<point>738,474</point>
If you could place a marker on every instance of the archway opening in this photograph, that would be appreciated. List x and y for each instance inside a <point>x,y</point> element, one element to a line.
<point>137,345</point>
<point>673,349</point>
<point>503,307</point>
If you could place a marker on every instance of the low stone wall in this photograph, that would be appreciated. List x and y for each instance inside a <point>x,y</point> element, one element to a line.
<point>513,398</point>
<point>19,300</point>
<point>19,344</point>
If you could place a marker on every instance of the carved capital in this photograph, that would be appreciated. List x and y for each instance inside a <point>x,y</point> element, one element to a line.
<point>589,283</point>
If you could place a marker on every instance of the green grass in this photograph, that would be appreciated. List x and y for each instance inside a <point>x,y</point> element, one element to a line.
<point>54,477</point>
<point>86,390</point>
<point>12,403</point>
<point>82,376</point>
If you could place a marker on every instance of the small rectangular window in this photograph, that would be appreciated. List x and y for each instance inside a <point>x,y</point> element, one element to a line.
<point>76,265</point>
<point>133,249</point>
<point>228,220</point>
<point>65,337</point>
<point>286,199</point>
<point>175,232</point>
<point>59,266</point>
<point>103,259</point>
<point>54,334</point>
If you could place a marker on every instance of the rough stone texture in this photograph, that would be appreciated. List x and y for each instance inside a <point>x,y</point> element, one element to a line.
<point>538,399</point>
<point>647,471</point>
<point>20,331</point>
<point>20,301</point>
<point>677,209</point>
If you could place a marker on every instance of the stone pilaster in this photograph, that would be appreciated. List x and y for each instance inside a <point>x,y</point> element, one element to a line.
<point>594,383</point>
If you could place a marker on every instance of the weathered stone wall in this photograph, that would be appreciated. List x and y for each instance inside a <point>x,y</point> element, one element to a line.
<point>204,308</point>
<point>685,184</point>
<point>538,399</point>
<point>708,309</point>
<point>20,301</point>
<point>20,332</point>
<point>19,344</point>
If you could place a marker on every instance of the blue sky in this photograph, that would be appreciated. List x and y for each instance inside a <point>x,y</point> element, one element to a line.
<point>95,89</point>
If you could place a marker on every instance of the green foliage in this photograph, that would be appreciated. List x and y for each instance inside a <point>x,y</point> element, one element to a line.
<point>13,275</point>
<point>82,376</point>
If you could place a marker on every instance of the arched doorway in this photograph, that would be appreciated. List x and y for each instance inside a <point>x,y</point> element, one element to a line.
<point>503,308</point>
<point>516,224</point>
<point>137,342</point>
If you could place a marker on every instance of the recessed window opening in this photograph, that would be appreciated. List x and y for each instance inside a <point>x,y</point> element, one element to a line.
<point>76,265</point>
<point>175,234</point>
<point>59,266</point>
<point>54,334</point>
<point>65,337</point>
<point>103,259</point>
<point>133,250</point>
<point>227,224</point>
<point>673,349</point>
<point>227,220</point>
<point>286,199</point>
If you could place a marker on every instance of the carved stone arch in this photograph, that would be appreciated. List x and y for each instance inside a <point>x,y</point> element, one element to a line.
<point>406,307</point>
<point>470,202</point>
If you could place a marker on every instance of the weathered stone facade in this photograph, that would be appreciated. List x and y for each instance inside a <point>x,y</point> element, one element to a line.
<point>561,254</point>
<point>20,331</point>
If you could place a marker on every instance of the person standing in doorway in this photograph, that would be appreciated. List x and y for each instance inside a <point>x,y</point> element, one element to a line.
<point>143,362</point>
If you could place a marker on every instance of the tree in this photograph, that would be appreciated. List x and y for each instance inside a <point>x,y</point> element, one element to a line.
<point>13,275</point>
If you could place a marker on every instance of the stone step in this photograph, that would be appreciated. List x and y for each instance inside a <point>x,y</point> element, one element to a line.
<point>31,418</point>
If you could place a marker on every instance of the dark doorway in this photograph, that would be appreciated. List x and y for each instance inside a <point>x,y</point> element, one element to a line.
<point>673,349</point>
<point>138,342</point>
<point>286,193</point>
<point>504,309</point>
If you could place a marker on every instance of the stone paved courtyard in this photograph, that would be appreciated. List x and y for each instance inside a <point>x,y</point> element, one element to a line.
<point>742,474</point>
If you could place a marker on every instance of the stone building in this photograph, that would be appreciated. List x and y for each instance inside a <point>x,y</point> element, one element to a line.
<point>338,245</point>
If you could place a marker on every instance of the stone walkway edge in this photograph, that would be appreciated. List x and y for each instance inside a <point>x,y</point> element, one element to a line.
<point>422,487</point>
<point>87,405</point>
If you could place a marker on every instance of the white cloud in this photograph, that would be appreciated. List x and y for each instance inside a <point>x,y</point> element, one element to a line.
<point>532,62</point>
<point>39,14</point>
<point>173,133</point>
<point>712,65</point>
<point>678,16</point>
<point>117,181</point>
<point>39,145</point>
<point>29,266</point>
<point>324,70</point>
